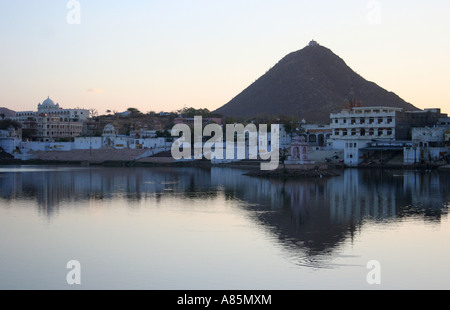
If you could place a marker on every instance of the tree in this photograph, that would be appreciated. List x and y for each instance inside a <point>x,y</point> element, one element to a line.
<point>192,112</point>
<point>134,111</point>
<point>6,123</point>
<point>3,116</point>
<point>283,156</point>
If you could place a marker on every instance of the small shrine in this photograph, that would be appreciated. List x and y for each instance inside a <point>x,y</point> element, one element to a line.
<point>299,152</point>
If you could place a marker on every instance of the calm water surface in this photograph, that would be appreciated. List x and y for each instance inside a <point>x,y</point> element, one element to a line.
<point>193,228</point>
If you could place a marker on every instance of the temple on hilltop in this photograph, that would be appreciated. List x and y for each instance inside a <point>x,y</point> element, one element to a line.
<point>313,43</point>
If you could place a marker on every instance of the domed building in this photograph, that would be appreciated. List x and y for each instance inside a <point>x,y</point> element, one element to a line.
<point>47,105</point>
<point>51,122</point>
<point>109,135</point>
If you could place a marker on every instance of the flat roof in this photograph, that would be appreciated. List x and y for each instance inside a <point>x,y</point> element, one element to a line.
<point>378,108</point>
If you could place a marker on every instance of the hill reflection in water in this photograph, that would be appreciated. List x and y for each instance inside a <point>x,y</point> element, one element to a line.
<point>312,216</point>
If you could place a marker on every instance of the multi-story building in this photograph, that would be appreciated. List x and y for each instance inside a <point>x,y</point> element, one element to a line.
<point>356,129</point>
<point>367,124</point>
<point>51,122</point>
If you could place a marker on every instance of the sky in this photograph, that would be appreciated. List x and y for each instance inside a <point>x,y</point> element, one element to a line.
<point>157,55</point>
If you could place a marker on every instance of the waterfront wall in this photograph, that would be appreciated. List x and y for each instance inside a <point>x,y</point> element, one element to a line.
<point>25,149</point>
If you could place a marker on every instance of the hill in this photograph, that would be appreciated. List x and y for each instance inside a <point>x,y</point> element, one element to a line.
<point>7,112</point>
<point>310,84</point>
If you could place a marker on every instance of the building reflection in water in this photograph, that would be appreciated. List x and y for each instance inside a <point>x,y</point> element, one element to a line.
<point>312,216</point>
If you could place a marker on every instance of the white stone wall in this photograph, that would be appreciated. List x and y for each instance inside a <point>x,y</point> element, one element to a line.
<point>9,145</point>
<point>85,143</point>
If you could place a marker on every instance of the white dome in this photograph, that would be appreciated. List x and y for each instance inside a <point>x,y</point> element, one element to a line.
<point>109,130</point>
<point>48,102</point>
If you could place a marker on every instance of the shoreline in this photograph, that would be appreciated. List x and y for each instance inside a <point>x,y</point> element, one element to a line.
<point>319,170</point>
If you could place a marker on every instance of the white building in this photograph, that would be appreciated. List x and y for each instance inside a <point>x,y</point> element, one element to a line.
<point>317,134</point>
<point>10,139</point>
<point>51,122</point>
<point>354,129</point>
<point>429,136</point>
<point>366,124</point>
<point>428,145</point>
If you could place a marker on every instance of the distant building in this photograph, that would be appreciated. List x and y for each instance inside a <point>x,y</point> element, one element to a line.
<point>10,138</point>
<point>125,113</point>
<point>148,134</point>
<point>313,43</point>
<point>427,117</point>
<point>109,135</point>
<point>362,130</point>
<point>429,136</point>
<point>51,122</point>
<point>317,135</point>
<point>444,121</point>
<point>190,120</point>
<point>368,124</point>
<point>298,152</point>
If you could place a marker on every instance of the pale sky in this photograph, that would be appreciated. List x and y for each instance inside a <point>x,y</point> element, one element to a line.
<point>162,55</point>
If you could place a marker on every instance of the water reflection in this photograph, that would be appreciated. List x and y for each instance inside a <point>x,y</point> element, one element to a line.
<point>316,216</point>
<point>307,216</point>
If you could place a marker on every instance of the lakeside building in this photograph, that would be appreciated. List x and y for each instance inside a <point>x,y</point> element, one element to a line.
<point>51,122</point>
<point>10,138</point>
<point>429,144</point>
<point>368,124</point>
<point>363,131</point>
<point>354,129</point>
<point>13,144</point>
<point>317,134</point>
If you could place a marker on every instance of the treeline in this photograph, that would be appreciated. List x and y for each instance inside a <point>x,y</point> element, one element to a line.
<point>6,123</point>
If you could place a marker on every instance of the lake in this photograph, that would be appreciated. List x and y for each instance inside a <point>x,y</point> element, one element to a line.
<point>214,228</point>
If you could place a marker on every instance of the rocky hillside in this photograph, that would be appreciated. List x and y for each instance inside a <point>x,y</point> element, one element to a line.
<point>309,83</point>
